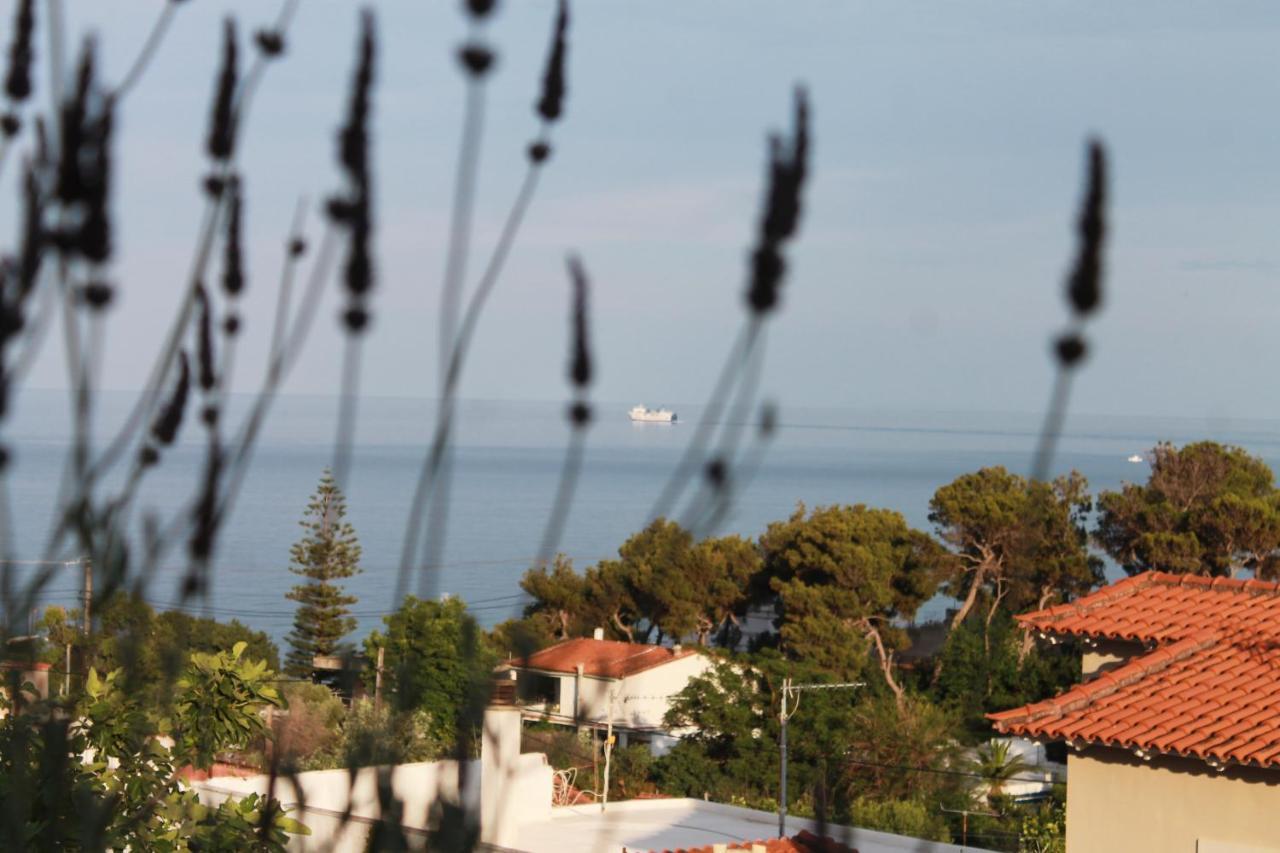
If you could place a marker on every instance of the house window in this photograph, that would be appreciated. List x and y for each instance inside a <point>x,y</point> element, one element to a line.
<point>536,688</point>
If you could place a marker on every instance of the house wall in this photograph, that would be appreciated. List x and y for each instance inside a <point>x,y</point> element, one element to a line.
<point>647,694</point>
<point>1117,802</point>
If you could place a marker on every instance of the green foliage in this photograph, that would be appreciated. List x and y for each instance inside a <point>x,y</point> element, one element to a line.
<point>1018,541</point>
<point>662,581</point>
<point>1206,509</point>
<point>733,753</point>
<point>309,728</point>
<point>370,736</point>
<point>1044,830</point>
<point>981,671</point>
<point>436,661</point>
<point>630,768</point>
<point>151,648</point>
<point>95,775</point>
<point>995,762</point>
<point>901,817</point>
<point>845,578</point>
<point>327,552</point>
<point>218,699</point>
<point>895,752</point>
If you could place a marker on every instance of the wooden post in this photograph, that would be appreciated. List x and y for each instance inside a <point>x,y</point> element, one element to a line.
<point>377,679</point>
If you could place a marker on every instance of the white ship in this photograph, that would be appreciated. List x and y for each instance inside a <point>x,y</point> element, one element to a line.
<point>1136,458</point>
<point>656,416</point>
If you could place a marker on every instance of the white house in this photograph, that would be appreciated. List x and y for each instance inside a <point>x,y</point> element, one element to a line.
<point>592,682</point>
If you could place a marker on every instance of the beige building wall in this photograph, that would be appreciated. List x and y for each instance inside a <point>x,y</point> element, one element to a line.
<point>1118,802</point>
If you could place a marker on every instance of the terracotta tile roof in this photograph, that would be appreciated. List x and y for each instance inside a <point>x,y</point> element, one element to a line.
<point>1159,607</point>
<point>601,658</point>
<point>803,842</point>
<point>1210,689</point>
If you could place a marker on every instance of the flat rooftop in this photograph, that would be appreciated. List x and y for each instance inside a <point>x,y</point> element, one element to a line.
<point>643,825</point>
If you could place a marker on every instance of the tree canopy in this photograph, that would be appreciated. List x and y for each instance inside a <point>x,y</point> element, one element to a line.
<point>845,578</point>
<point>329,551</point>
<point>1014,538</point>
<point>662,584</point>
<point>435,661</point>
<point>1206,509</point>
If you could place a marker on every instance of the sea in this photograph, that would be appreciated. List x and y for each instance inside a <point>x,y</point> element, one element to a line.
<point>507,465</point>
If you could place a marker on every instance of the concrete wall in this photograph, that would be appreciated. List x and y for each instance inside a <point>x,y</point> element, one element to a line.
<point>1117,802</point>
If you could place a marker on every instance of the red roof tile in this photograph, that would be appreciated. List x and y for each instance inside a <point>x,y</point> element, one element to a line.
<point>601,658</point>
<point>803,842</point>
<point>1210,689</point>
<point>1159,607</point>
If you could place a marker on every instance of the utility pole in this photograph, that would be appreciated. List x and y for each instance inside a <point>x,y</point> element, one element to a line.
<point>792,691</point>
<point>608,749</point>
<point>87,563</point>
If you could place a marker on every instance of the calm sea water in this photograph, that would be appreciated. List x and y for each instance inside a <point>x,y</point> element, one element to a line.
<point>507,467</point>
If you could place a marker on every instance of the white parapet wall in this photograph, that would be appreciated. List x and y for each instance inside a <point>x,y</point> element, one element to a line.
<point>322,797</point>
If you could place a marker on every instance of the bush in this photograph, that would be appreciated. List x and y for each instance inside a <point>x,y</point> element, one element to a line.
<point>311,724</point>
<point>901,817</point>
<point>373,735</point>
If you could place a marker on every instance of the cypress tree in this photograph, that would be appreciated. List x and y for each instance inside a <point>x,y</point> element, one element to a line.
<point>327,552</point>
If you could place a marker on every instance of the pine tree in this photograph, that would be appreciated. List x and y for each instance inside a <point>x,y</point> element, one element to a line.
<point>329,551</point>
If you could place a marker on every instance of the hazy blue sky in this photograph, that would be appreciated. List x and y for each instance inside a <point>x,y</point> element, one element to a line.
<point>948,142</point>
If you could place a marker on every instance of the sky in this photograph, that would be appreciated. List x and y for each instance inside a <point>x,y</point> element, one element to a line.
<point>937,230</point>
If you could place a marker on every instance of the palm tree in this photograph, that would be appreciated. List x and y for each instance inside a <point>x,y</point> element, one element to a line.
<point>995,762</point>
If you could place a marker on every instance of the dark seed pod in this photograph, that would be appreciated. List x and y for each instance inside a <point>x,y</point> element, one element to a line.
<point>33,234</point>
<point>221,142</point>
<point>208,376</point>
<point>551,101</point>
<point>17,83</point>
<point>1070,349</point>
<point>10,124</point>
<point>214,185</point>
<point>480,8</point>
<point>539,152</point>
<point>476,58</point>
<point>97,295</point>
<point>717,473</point>
<point>356,319</point>
<point>580,357</point>
<point>1085,286</point>
<point>148,456</point>
<point>209,415</point>
<point>4,457</point>
<point>270,42</point>
<point>95,231</point>
<point>231,325</point>
<point>767,268</point>
<point>233,256</point>
<point>297,247</point>
<point>768,419</point>
<point>340,210</point>
<point>165,427</point>
<point>70,186</point>
<point>579,414</point>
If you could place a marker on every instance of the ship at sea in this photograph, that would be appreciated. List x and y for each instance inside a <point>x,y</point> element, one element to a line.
<point>656,416</point>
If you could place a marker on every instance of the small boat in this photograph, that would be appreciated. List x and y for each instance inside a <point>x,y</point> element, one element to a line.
<point>1137,458</point>
<point>653,416</point>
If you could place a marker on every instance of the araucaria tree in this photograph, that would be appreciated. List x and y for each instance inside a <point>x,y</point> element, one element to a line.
<point>328,552</point>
